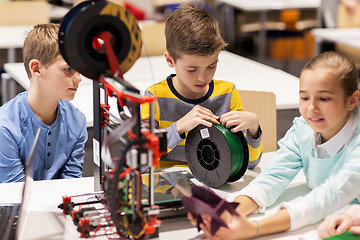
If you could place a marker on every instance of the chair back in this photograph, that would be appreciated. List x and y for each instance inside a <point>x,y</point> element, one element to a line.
<point>264,105</point>
<point>24,12</point>
<point>346,20</point>
<point>153,38</point>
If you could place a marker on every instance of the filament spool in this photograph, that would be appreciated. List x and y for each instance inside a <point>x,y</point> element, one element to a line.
<point>83,23</point>
<point>215,155</point>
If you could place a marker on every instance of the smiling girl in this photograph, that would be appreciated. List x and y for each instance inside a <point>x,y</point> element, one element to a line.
<point>324,142</point>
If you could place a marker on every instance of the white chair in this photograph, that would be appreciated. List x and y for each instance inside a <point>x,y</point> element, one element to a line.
<point>346,20</point>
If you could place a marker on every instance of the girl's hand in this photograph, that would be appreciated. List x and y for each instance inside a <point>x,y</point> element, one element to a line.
<point>192,219</point>
<point>241,120</point>
<point>239,227</point>
<point>355,230</point>
<point>334,224</point>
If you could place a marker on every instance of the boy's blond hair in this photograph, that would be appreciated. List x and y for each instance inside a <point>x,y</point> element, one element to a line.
<point>41,43</point>
<point>191,30</point>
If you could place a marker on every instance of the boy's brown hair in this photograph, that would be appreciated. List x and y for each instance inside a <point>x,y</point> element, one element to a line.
<point>41,43</point>
<point>191,30</point>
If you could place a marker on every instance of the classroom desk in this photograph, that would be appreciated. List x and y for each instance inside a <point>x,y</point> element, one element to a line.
<point>11,38</point>
<point>56,13</point>
<point>284,85</point>
<point>227,7</point>
<point>48,222</point>
<point>83,98</point>
<point>155,67</point>
<point>244,73</point>
<point>346,36</point>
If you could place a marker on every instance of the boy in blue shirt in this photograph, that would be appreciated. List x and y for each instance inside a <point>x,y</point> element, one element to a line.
<point>63,134</point>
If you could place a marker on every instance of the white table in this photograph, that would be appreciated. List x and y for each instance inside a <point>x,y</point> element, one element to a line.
<point>261,6</point>
<point>83,98</point>
<point>56,13</point>
<point>346,36</point>
<point>45,220</point>
<point>244,73</point>
<point>156,68</point>
<point>267,5</point>
<point>11,38</point>
<point>48,222</point>
<point>284,85</point>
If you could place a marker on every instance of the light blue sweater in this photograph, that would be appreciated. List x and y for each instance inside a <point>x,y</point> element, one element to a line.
<point>60,149</point>
<point>334,181</point>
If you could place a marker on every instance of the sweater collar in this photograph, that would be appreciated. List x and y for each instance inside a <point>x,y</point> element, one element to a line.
<point>339,141</point>
<point>192,101</point>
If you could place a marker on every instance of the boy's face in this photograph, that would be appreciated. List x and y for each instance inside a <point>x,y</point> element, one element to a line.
<point>193,74</point>
<point>60,80</point>
<point>322,102</point>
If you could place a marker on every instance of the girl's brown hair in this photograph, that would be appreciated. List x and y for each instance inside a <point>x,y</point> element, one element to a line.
<point>342,68</point>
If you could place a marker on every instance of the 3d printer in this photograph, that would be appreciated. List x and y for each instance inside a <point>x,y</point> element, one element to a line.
<point>102,41</point>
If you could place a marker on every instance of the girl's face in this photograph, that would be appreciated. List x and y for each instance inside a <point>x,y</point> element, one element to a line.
<point>323,104</point>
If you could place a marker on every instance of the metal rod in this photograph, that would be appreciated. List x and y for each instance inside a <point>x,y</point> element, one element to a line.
<point>87,194</point>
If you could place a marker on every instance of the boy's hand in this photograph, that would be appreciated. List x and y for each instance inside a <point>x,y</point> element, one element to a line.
<point>241,120</point>
<point>198,115</point>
